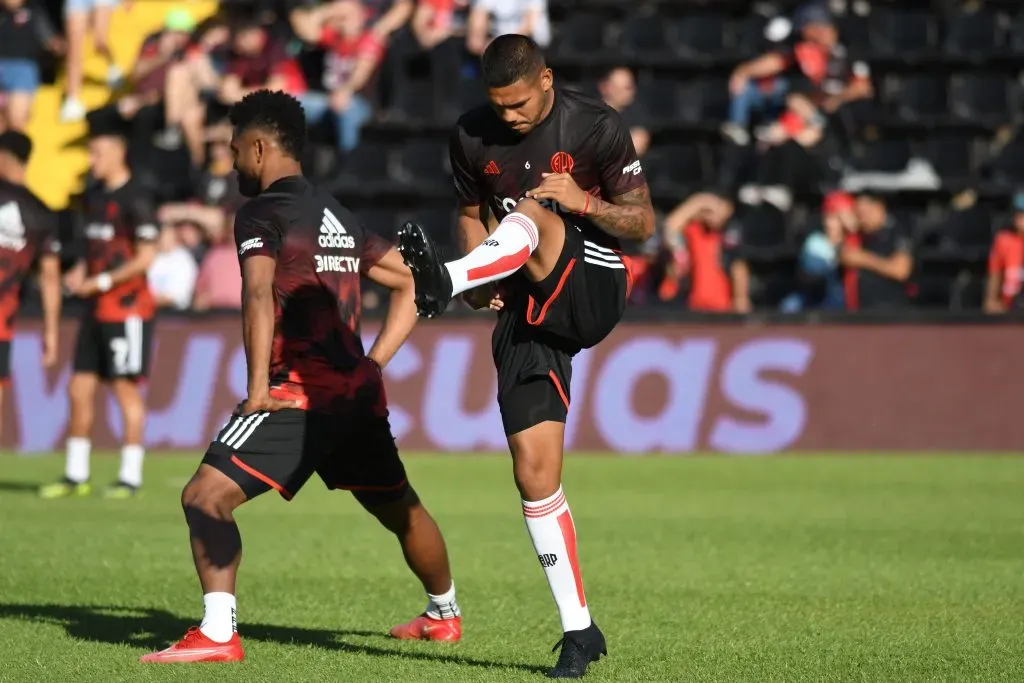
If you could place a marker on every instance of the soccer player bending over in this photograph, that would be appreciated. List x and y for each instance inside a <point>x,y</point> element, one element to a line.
<point>315,401</point>
<point>559,171</point>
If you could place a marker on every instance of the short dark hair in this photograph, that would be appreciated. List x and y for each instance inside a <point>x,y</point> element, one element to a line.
<point>509,58</point>
<point>16,144</point>
<point>277,113</point>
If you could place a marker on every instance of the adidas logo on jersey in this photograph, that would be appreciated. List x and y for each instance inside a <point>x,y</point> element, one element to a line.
<point>333,234</point>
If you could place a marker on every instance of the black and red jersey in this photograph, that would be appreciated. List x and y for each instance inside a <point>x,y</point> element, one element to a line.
<point>582,136</point>
<point>114,223</point>
<point>819,71</point>
<point>28,230</point>
<point>321,251</point>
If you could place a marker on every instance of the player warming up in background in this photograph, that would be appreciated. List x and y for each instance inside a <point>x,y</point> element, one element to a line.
<point>315,401</point>
<point>28,241</point>
<point>559,171</point>
<point>115,334</point>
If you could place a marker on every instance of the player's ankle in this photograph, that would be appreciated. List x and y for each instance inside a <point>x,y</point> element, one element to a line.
<point>219,617</point>
<point>444,605</point>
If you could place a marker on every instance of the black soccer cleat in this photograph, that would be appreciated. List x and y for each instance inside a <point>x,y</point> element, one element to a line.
<point>579,649</point>
<point>433,283</point>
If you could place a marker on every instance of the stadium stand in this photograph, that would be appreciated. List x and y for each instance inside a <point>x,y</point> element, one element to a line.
<point>938,137</point>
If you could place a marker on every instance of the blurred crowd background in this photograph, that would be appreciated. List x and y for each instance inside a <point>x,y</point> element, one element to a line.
<point>852,155</point>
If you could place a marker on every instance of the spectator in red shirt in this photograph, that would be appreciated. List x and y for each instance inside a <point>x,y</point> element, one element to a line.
<point>816,73</point>
<point>719,277</point>
<point>149,107</point>
<point>1005,285</point>
<point>353,54</point>
<point>256,62</point>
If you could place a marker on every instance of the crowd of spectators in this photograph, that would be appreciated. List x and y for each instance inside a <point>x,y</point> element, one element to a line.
<point>346,60</point>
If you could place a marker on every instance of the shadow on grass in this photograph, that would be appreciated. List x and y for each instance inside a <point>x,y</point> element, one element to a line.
<point>155,629</point>
<point>18,487</point>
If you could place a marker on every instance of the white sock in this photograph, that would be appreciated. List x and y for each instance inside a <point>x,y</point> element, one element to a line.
<point>76,465</point>
<point>219,617</point>
<point>503,252</point>
<point>131,464</point>
<point>443,606</point>
<point>554,538</point>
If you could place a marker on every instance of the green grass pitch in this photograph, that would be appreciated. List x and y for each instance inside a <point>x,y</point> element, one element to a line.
<point>698,569</point>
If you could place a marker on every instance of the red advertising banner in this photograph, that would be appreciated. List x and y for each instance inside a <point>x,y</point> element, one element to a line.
<point>666,388</point>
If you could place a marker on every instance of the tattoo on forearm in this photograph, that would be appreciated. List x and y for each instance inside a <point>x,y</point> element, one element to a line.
<point>630,217</point>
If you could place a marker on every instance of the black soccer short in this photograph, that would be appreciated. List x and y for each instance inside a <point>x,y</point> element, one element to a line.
<point>282,450</point>
<point>545,324</point>
<point>114,350</point>
<point>5,361</point>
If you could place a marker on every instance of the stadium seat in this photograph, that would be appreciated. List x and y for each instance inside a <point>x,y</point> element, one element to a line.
<point>917,97</point>
<point>1006,166</point>
<point>764,226</point>
<point>470,93</point>
<point>660,99</point>
<point>969,228</point>
<point>890,156</point>
<point>855,34</point>
<point>645,37</point>
<point>952,156</point>
<point>439,222</point>
<point>699,36</point>
<point>967,292</point>
<point>703,100</point>
<point>674,171</point>
<point>421,164</point>
<point>974,34</point>
<point>365,166</point>
<point>582,35</point>
<point>904,34</point>
<point>414,101</point>
<point>980,97</point>
<point>381,222</point>
<point>746,37</point>
<point>1017,35</point>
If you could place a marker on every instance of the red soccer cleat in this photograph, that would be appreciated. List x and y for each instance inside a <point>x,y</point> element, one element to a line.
<point>425,628</point>
<point>196,647</point>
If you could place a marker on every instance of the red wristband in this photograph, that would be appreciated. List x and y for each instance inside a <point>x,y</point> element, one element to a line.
<point>586,204</point>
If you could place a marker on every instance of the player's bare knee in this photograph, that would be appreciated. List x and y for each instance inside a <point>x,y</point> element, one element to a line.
<point>397,516</point>
<point>544,218</point>
<point>206,498</point>
<point>536,472</point>
<point>81,390</point>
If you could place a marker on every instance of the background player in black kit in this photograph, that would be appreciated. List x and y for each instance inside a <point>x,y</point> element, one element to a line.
<point>559,171</point>
<point>28,242</point>
<point>118,231</point>
<point>315,401</point>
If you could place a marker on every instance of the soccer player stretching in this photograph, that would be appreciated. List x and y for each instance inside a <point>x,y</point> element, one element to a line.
<point>315,401</point>
<point>560,173</point>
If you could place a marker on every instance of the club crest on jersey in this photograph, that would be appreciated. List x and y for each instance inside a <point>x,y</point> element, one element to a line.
<point>333,234</point>
<point>562,162</point>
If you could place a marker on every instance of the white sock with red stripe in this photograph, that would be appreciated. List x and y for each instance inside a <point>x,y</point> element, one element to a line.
<point>554,538</point>
<point>504,252</point>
